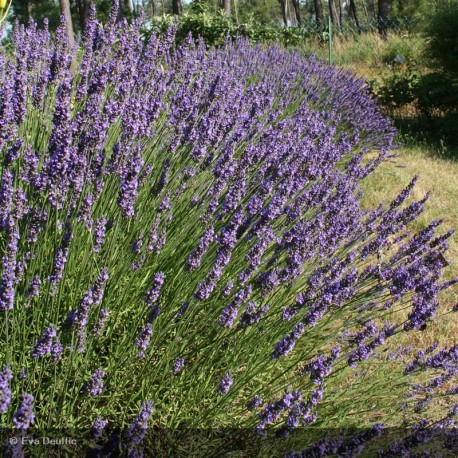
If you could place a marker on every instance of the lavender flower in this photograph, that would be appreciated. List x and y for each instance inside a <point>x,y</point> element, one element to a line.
<point>254,402</point>
<point>226,383</point>
<point>178,366</point>
<point>34,286</point>
<point>99,233</point>
<point>139,126</point>
<point>5,391</point>
<point>24,416</point>
<point>195,258</point>
<point>60,260</point>
<point>94,386</point>
<point>152,295</point>
<point>97,428</point>
<point>284,346</point>
<point>101,322</point>
<point>144,339</point>
<point>48,343</point>
<point>137,430</point>
<point>7,291</point>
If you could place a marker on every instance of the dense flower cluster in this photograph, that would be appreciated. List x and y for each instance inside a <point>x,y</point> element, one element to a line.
<point>24,416</point>
<point>94,385</point>
<point>5,392</point>
<point>212,195</point>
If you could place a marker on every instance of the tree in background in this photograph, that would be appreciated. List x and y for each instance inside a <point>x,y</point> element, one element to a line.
<point>23,10</point>
<point>335,16</point>
<point>284,11</point>
<point>66,13</point>
<point>297,12</point>
<point>383,15</point>
<point>319,13</point>
<point>227,7</point>
<point>354,15</point>
<point>83,6</point>
<point>262,12</point>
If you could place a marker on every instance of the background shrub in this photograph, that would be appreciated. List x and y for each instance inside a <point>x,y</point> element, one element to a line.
<point>442,30</point>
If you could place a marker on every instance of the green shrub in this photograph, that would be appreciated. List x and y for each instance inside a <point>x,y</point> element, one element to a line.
<point>397,89</point>
<point>214,27</point>
<point>436,91</point>
<point>442,31</point>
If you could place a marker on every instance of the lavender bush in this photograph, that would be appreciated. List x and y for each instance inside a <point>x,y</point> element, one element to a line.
<point>183,246</point>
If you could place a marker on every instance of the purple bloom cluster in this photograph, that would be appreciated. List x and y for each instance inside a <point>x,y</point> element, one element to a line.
<point>320,367</point>
<point>421,434</point>
<point>226,383</point>
<point>97,428</point>
<point>34,287</point>
<point>137,430</point>
<point>144,339</point>
<point>80,316</point>
<point>94,386</point>
<point>229,314</point>
<point>290,402</point>
<point>252,314</point>
<point>99,233</point>
<point>352,446</point>
<point>195,258</point>
<point>285,345</point>
<point>49,343</point>
<point>254,402</point>
<point>152,295</point>
<point>101,322</point>
<point>178,366</point>
<point>5,391</point>
<point>24,416</point>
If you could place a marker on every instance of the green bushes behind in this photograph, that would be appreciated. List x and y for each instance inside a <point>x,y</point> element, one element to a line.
<point>442,31</point>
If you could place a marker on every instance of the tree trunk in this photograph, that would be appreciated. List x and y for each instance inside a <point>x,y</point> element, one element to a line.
<point>334,13</point>
<point>297,12</point>
<point>177,7</point>
<point>384,9</point>
<point>284,12</point>
<point>227,7</point>
<point>127,5</point>
<point>65,11</point>
<point>83,7</point>
<point>354,15</point>
<point>29,10</point>
<point>340,12</point>
<point>319,14</point>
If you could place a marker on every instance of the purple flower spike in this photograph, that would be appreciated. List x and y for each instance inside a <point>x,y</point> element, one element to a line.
<point>99,233</point>
<point>144,339</point>
<point>152,295</point>
<point>226,383</point>
<point>178,366</point>
<point>94,385</point>
<point>137,430</point>
<point>48,343</point>
<point>34,287</point>
<point>5,391</point>
<point>97,428</point>
<point>24,416</point>
<point>101,322</point>
<point>255,402</point>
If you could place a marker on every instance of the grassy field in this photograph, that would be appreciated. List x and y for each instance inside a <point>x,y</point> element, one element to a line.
<point>440,178</point>
<point>437,176</point>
